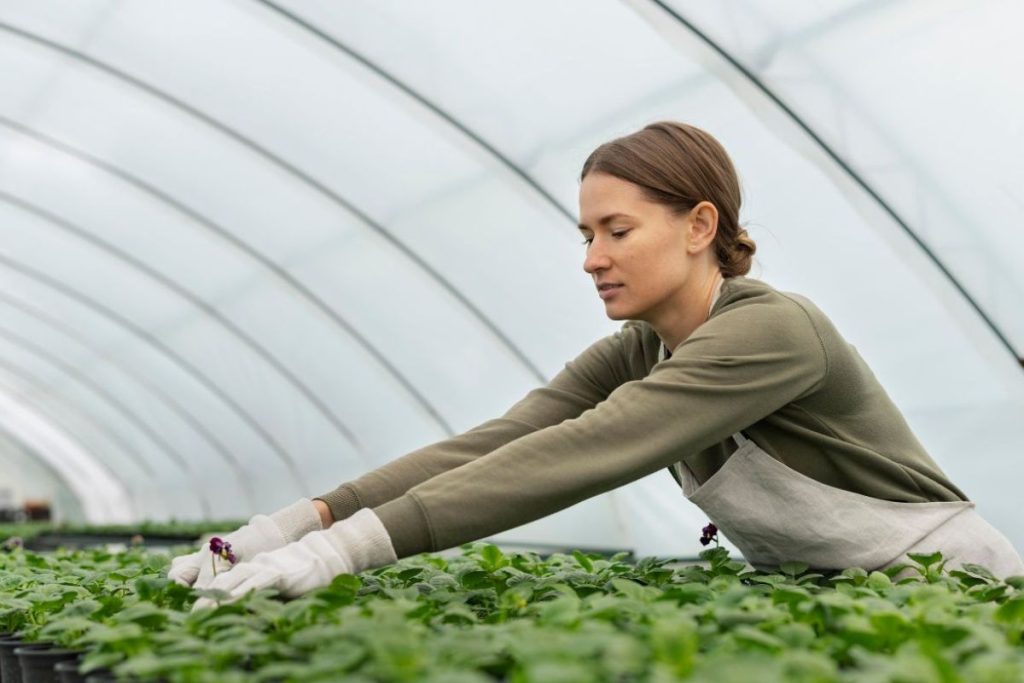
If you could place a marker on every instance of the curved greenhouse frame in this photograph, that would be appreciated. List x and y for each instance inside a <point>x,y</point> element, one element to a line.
<point>251,249</point>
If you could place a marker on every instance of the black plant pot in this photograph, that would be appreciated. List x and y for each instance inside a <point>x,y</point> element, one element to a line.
<point>104,677</point>
<point>10,670</point>
<point>37,663</point>
<point>67,671</point>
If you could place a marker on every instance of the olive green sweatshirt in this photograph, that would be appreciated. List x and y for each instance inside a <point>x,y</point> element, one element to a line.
<point>766,362</point>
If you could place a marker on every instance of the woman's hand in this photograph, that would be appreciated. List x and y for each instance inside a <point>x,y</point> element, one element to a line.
<point>262,533</point>
<point>326,518</point>
<point>350,546</point>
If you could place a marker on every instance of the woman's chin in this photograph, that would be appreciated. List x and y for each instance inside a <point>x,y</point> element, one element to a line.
<point>616,312</point>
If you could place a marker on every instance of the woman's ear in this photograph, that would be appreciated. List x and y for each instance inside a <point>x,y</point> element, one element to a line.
<point>703,225</point>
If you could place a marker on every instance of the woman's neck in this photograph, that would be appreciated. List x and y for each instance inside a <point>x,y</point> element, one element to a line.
<point>696,315</point>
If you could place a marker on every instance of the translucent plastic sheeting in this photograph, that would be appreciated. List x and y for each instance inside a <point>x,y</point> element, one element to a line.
<point>109,450</point>
<point>210,469</point>
<point>525,78</point>
<point>134,451</point>
<point>387,171</point>
<point>916,98</point>
<point>347,230</point>
<point>36,479</point>
<point>103,496</point>
<point>119,350</point>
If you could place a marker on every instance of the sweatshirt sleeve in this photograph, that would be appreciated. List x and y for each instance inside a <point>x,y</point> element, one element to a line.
<point>738,367</point>
<point>580,385</point>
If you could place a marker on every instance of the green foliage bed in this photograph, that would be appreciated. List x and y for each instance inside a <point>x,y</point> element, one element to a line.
<point>27,530</point>
<point>486,616</point>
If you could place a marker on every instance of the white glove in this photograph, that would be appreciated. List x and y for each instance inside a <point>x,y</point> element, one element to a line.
<point>350,546</point>
<point>262,533</point>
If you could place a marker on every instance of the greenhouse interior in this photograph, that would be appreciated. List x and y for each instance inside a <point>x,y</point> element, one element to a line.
<point>251,251</point>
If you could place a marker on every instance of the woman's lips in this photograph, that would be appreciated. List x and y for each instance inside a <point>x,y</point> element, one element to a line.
<point>609,292</point>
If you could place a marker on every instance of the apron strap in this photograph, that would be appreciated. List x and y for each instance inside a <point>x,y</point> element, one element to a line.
<point>739,439</point>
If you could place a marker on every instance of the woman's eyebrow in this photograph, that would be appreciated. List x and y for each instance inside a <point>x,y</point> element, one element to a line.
<point>606,220</point>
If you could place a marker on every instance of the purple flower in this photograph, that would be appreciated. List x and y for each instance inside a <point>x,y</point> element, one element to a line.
<point>221,548</point>
<point>227,554</point>
<point>708,534</point>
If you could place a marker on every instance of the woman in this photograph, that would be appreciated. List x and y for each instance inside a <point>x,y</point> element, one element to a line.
<point>768,419</point>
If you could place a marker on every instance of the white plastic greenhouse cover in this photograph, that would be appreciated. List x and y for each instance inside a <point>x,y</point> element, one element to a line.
<point>250,249</point>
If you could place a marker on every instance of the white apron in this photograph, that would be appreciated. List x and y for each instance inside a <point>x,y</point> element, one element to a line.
<point>774,514</point>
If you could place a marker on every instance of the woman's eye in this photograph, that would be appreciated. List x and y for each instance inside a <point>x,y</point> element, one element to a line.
<point>619,234</point>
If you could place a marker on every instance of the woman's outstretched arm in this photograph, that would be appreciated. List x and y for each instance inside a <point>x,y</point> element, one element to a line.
<point>739,367</point>
<point>582,384</point>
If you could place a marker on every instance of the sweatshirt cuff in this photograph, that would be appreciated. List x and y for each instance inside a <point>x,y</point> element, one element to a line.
<point>406,524</point>
<point>343,502</point>
<point>361,540</point>
<point>297,520</point>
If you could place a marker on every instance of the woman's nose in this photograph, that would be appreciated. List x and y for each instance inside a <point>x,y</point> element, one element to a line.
<point>596,259</point>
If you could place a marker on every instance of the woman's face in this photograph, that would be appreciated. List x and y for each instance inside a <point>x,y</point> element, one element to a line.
<point>640,246</point>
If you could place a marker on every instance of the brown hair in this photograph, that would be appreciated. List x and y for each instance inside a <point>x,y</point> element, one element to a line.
<point>679,165</point>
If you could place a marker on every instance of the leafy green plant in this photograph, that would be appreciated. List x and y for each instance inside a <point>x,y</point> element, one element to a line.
<point>491,615</point>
